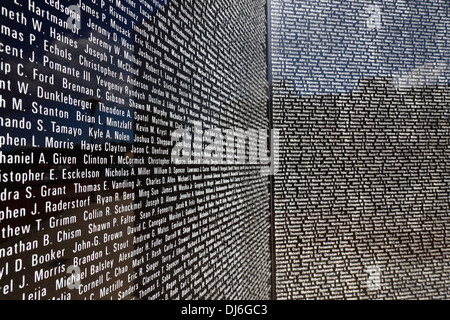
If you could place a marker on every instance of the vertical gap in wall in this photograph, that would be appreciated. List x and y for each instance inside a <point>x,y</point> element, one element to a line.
<point>271,126</point>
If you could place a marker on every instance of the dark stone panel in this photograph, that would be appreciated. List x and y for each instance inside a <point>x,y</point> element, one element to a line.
<point>93,203</point>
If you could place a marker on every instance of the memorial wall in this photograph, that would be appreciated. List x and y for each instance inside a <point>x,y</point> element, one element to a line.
<point>361,100</point>
<point>126,143</point>
<point>219,149</point>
